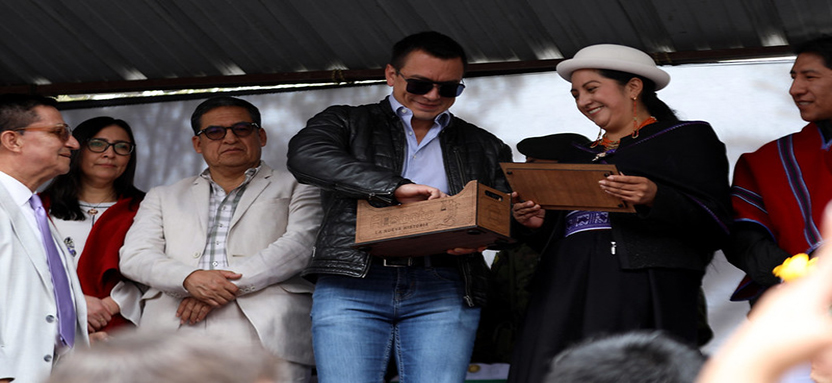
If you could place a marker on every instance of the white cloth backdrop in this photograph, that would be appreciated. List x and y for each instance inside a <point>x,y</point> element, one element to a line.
<point>747,104</point>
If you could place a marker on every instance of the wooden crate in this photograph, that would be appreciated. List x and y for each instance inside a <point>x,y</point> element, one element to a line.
<point>478,216</point>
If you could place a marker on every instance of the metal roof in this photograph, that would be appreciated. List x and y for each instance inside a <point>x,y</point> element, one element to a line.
<point>57,46</point>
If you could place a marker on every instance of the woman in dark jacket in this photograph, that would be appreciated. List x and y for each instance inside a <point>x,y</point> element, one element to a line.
<point>607,272</point>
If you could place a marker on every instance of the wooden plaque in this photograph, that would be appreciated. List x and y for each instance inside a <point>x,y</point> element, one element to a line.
<point>477,216</point>
<point>564,186</point>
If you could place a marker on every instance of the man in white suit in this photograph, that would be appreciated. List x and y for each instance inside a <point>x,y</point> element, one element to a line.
<point>42,309</point>
<point>222,252</point>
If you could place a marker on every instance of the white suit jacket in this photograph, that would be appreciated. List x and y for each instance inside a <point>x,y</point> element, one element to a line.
<point>269,242</point>
<point>28,312</point>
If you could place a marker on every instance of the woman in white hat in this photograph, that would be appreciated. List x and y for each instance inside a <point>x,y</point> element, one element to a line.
<point>606,272</point>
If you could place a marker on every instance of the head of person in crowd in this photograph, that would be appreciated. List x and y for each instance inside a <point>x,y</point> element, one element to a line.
<point>142,356</point>
<point>35,142</point>
<point>549,148</point>
<point>637,356</point>
<point>228,134</point>
<point>811,74</point>
<point>106,159</point>
<point>426,71</point>
<point>615,87</point>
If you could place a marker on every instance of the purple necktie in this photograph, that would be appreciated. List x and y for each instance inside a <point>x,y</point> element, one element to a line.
<point>63,296</point>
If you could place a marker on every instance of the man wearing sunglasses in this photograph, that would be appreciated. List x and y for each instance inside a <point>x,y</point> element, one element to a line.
<point>222,251</point>
<point>407,148</point>
<point>42,308</point>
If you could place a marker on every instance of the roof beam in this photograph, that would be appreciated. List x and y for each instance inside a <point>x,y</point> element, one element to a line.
<point>349,76</point>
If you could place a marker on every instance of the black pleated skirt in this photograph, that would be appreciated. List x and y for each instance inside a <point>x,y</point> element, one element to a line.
<point>580,291</point>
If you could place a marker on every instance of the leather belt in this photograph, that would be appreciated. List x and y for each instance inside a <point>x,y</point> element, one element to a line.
<point>426,261</point>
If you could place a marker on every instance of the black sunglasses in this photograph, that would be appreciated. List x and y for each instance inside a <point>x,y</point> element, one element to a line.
<point>100,145</point>
<point>240,129</point>
<point>448,89</point>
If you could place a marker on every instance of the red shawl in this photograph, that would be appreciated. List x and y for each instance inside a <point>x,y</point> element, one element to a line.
<point>98,266</point>
<point>784,187</point>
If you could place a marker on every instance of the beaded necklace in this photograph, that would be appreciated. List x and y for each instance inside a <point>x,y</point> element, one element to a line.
<point>610,144</point>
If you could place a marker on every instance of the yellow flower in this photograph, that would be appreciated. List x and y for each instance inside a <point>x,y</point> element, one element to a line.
<point>794,267</point>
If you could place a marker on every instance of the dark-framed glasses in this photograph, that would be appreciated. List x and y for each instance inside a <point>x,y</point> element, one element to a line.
<point>100,145</point>
<point>240,129</point>
<point>63,131</point>
<point>448,89</point>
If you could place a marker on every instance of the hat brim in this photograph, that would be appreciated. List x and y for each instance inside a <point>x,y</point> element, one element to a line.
<point>550,147</point>
<point>567,67</point>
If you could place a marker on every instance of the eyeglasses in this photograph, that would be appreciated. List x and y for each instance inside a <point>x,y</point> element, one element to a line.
<point>240,129</point>
<point>448,89</point>
<point>63,131</point>
<point>100,145</point>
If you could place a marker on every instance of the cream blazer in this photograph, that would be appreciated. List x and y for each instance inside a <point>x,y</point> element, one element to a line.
<point>269,242</point>
<point>28,312</point>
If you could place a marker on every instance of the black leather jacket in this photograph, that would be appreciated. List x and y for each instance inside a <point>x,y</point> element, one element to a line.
<point>358,153</point>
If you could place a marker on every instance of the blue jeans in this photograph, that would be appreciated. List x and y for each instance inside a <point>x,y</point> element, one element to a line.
<point>415,313</point>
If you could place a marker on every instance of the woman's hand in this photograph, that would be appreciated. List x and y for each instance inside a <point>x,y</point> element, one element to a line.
<point>98,315</point>
<point>635,190</point>
<point>111,305</point>
<point>527,213</point>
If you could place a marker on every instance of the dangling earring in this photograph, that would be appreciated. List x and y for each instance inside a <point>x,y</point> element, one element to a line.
<point>597,140</point>
<point>636,126</point>
<point>635,119</point>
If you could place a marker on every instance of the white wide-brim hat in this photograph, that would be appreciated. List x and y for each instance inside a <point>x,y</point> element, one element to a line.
<point>616,57</point>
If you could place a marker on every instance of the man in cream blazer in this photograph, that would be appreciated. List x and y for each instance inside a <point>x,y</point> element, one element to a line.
<point>222,252</point>
<point>35,145</point>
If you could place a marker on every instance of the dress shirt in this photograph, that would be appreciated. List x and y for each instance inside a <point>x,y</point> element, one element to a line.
<point>21,194</point>
<point>220,212</point>
<point>423,163</point>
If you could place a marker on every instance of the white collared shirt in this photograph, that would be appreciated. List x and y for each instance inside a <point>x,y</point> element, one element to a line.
<point>20,195</point>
